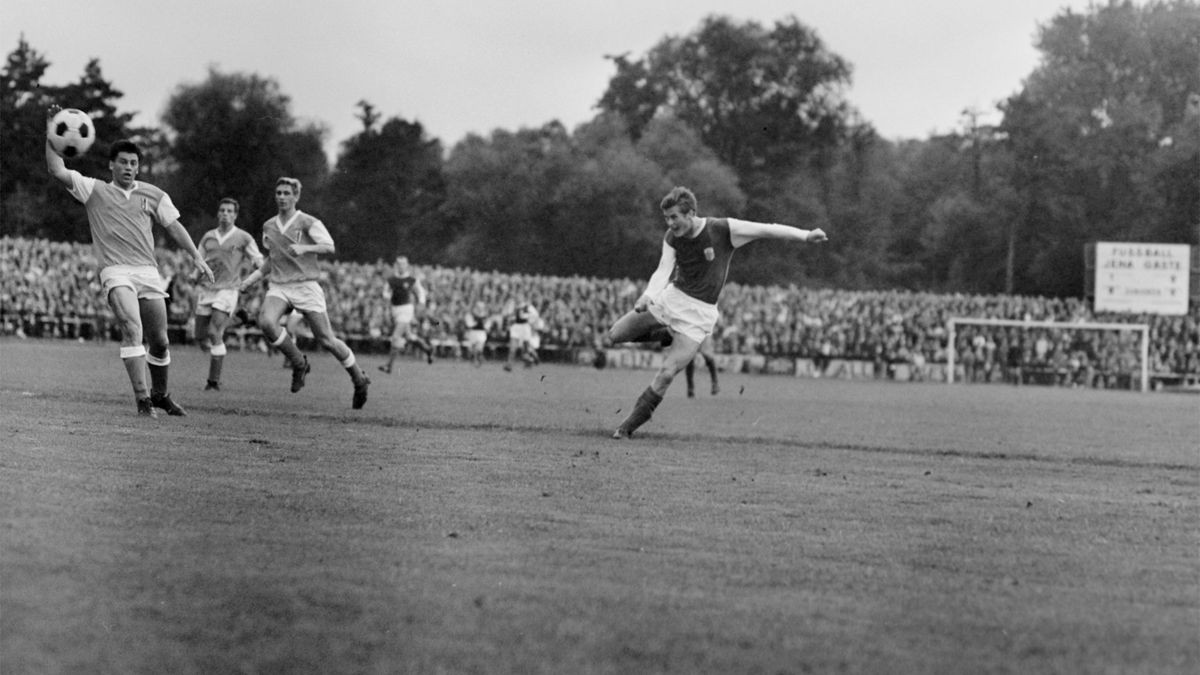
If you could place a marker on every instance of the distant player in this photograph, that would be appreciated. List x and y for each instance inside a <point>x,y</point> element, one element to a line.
<point>121,215</point>
<point>227,250</point>
<point>405,293</point>
<point>292,241</point>
<point>682,294</point>
<point>478,322</point>
<point>522,319</point>
<point>710,362</point>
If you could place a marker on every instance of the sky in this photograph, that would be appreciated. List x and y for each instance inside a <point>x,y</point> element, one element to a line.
<point>473,66</point>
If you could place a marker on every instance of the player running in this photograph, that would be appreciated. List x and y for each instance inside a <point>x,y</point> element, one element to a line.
<point>293,240</point>
<point>227,249</point>
<point>682,294</point>
<point>405,293</point>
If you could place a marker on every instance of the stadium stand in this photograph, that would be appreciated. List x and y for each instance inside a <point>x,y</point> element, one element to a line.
<point>51,290</point>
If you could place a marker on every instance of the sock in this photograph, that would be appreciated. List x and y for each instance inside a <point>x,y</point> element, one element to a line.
<point>214,368</point>
<point>158,379</point>
<point>642,410</point>
<point>690,372</point>
<point>158,372</point>
<point>288,346</point>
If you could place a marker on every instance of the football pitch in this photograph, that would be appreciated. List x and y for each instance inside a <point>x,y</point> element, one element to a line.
<point>469,520</point>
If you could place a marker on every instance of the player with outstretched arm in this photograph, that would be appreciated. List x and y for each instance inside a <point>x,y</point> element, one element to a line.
<point>121,215</point>
<point>681,296</point>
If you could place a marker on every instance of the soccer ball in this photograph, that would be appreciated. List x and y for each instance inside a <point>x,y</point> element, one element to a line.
<point>71,132</point>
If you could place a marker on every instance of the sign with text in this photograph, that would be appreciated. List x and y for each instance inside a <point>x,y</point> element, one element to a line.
<point>1142,278</point>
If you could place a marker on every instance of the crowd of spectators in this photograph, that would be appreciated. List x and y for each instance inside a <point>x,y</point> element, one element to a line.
<point>52,289</point>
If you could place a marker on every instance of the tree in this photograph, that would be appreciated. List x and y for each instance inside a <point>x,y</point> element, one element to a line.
<point>386,194</point>
<point>1087,133</point>
<point>233,135</point>
<point>32,203</point>
<point>763,100</point>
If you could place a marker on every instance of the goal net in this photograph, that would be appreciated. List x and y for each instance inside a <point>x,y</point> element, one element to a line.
<point>1112,355</point>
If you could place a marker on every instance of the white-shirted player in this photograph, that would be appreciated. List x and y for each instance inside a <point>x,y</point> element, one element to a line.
<point>121,215</point>
<point>227,249</point>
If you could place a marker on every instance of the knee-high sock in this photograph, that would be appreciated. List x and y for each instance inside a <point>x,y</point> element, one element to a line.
<point>642,410</point>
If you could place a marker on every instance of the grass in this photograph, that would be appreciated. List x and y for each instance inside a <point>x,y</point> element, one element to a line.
<point>476,521</point>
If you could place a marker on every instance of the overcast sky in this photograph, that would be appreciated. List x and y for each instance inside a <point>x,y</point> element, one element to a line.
<point>462,66</point>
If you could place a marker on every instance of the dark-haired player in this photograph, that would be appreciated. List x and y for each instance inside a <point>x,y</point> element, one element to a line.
<point>121,215</point>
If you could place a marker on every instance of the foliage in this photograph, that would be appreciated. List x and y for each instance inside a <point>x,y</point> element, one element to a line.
<point>1092,135</point>
<point>31,202</point>
<point>763,100</point>
<point>233,135</point>
<point>385,195</point>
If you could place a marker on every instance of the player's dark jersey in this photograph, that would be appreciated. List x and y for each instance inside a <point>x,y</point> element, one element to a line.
<point>523,314</point>
<point>477,321</point>
<point>702,262</point>
<point>403,289</point>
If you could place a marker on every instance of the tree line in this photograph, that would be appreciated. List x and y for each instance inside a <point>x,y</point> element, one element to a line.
<point>1101,142</point>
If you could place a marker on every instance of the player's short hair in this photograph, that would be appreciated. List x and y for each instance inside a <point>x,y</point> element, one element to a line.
<point>293,183</point>
<point>230,200</point>
<point>124,145</point>
<point>681,197</point>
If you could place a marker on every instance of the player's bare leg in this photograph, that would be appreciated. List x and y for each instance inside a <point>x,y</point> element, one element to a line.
<point>158,354</point>
<point>637,327</point>
<point>273,310</point>
<point>710,362</point>
<point>214,338</point>
<point>124,304</point>
<point>682,350</point>
<point>323,332</point>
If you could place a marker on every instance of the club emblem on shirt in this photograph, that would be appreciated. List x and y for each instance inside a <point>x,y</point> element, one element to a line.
<point>709,254</point>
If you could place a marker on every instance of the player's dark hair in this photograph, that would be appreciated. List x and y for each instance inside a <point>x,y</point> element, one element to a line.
<point>681,197</point>
<point>124,145</point>
<point>230,200</point>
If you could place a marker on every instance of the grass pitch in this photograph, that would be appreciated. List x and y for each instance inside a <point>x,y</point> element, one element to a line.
<point>476,521</point>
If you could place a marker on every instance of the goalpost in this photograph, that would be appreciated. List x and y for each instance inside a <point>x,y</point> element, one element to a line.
<point>1142,329</point>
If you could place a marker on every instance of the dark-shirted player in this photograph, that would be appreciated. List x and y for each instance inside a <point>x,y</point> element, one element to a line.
<point>477,323</point>
<point>522,320</point>
<point>682,294</point>
<point>406,293</point>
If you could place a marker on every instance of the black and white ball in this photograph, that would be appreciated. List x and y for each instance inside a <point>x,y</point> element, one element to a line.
<point>71,132</point>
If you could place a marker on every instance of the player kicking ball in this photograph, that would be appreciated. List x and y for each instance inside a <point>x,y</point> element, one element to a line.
<point>681,296</point>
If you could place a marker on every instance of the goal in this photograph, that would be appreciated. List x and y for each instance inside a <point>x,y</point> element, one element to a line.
<point>1141,332</point>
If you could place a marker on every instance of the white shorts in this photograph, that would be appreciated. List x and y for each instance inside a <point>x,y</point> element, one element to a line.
<point>143,279</point>
<point>402,318</point>
<point>520,331</point>
<point>305,296</point>
<point>684,314</point>
<point>475,338</point>
<point>219,299</point>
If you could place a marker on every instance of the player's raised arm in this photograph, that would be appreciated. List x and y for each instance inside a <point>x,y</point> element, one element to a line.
<point>742,232</point>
